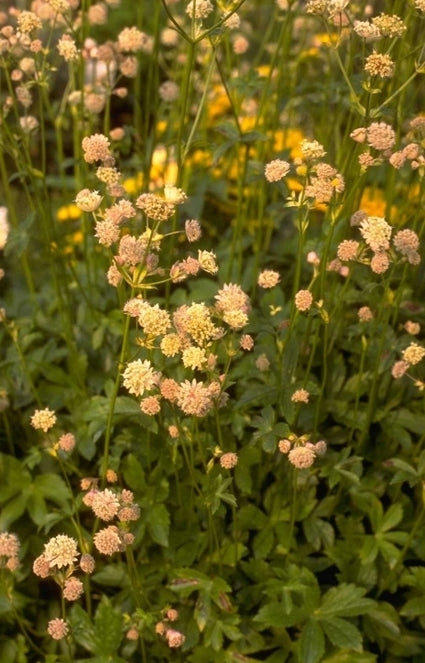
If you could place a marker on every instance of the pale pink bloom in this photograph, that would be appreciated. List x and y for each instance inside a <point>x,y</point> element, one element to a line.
<point>41,567</point>
<point>67,442</point>
<point>105,504</point>
<point>228,460</point>
<point>380,262</point>
<point>320,447</point>
<point>96,148</point>
<point>276,170</point>
<point>108,541</point>
<point>150,405</point>
<point>284,446</point>
<point>61,551</point>
<point>9,545</point>
<point>174,638</point>
<point>246,342</point>
<point>268,278</point>
<point>169,389</point>
<point>88,201</point>
<point>87,563</point>
<point>413,354</point>
<point>302,457</point>
<point>132,633</point>
<point>192,230</point>
<point>139,376</point>
<point>43,419</point>
<point>72,589</point>
<point>194,398</point>
<point>57,628</point>
<point>262,363</point>
<point>300,396</point>
<point>303,300</point>
<point>347,250</point>
<point>399,369</point>
<point>365,314</point>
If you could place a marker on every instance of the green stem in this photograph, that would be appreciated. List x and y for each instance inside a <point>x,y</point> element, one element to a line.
<point>114,395</point>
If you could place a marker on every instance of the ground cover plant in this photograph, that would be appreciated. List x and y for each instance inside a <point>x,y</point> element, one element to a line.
<point>212,382</point>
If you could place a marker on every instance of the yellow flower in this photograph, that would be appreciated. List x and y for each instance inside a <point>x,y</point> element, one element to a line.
<point>68,213</point>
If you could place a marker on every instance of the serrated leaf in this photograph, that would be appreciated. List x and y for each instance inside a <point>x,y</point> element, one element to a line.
<point>342,633</point>
<point>52,487</point>
<point>391,517</point>
<point>346,600</point>
<point>82,628</point>
<point>108,629</point>
<point>158,522</point>
<point>414,607</point>
<point>133,473</point>
<point>312,643</point>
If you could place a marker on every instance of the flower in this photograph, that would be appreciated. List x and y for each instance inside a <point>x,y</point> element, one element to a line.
<point>302,457</point>
<point>365,314</point>
<point>413,354</point>
<point>399,369</point>
<point>303,300</point>
<point>268,278</point>
<point>61,551</point>
<point>67,442</point>
<point>154,207</point>
<point>194,398</point>
<point>72,589</point>
<point>262,363</point>
<point>376,232</point>
<point>379,64</point>
<point>87,563</point>
<point>276,170</point>
<point>300,396</point>
<point>246,342</point>
<point>108,540</point>
<point>43,419</point>
<point>199,9</point>
<point>105,504</point>
<point>57,628</point>
<point>347,250</point>
<point>207,262</point>
<point>380,136</point>
<point>132,39</point>
<point>4,227</point>
<point>193,230</point>
<point>284,446</point>
<point>228,460</point>
<point>41,567</point>
<point>96,148</point>
<point>139,376</point>
<point>174,638</point>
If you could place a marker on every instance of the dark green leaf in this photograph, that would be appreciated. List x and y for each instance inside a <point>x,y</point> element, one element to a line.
<point>342,633</point>
<point>312,643</point>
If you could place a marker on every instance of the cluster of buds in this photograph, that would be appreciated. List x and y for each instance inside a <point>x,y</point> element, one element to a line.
<point>107,505</point>
<point>172,636</point>
<point>300,451</point>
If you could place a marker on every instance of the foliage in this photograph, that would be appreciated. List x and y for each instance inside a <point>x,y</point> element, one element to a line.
<point>212,381</point>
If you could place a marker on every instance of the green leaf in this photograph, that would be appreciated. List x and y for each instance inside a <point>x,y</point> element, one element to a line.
<point>346,600</point>
<point>414,607</point>
<point>133,473</point>
<point>158,522</point>
<point>342,633</point>
<point>53,487</point>
<point>312,643</point>
<point>391,517</point>
<point>108,629</point>
<point>82,628</point>
<point>12,511</point>
<point>112,575</point>
<point>351,657</point>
